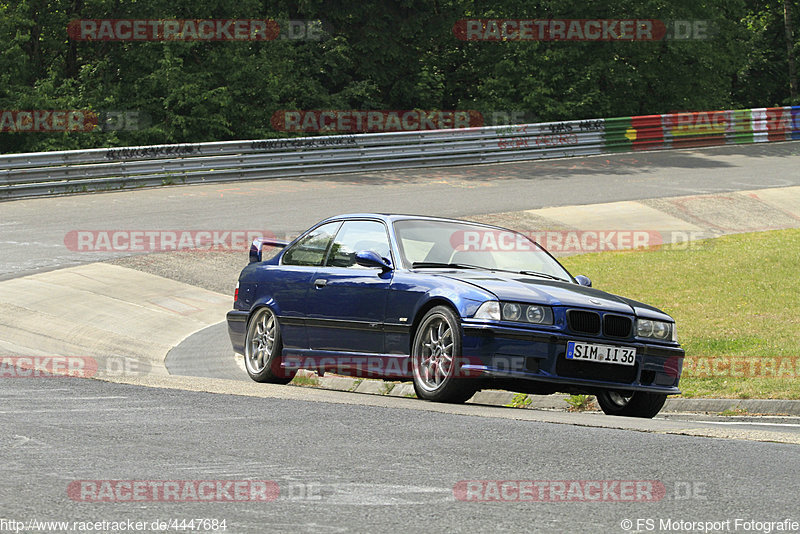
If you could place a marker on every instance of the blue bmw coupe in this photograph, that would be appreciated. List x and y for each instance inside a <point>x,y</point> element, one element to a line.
<point>454,306</point>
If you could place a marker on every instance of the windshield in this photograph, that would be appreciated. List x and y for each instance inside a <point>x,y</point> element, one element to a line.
<point>425,243</point>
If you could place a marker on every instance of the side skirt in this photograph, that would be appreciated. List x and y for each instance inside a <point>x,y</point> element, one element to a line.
<point>349,363</point>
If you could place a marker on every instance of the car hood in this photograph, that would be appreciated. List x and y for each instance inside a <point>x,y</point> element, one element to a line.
<point>523,288</point>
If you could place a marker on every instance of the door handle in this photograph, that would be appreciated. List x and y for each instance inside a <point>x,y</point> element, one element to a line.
<point>319,283</point>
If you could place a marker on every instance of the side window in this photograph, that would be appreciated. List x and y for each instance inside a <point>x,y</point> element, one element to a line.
<point>355,236</point>
<point>310,250</point>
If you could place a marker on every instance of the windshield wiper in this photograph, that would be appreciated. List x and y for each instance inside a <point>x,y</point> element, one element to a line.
<point>445,265</point>
<point>544,275</point>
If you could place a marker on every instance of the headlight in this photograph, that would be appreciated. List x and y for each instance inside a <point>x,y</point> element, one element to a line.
<point>489,310</point>
<point>511,311</point>
<point>535,314</point>
<point>660,330</point>
<point>644,328</point>
<point>515,312</point>
<point>527,313</point>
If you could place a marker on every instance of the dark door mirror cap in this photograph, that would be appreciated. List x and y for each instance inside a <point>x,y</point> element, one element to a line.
<point>370,258</point>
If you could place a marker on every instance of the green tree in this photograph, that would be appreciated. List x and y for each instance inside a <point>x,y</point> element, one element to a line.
<point>388,54</point>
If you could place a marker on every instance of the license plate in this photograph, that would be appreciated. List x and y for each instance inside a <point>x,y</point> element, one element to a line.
<point>594,352</point>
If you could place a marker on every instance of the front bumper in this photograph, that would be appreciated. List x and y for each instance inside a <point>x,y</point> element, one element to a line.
<point>506,353</point>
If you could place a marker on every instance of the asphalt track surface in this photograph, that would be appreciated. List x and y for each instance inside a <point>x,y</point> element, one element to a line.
<point>349,468</point>
<point>350,463</point>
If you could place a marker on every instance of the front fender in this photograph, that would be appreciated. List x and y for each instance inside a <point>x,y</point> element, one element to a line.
<point>466,306</point>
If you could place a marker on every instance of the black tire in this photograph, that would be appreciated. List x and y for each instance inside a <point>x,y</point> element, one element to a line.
<point>631,403</point>
<point>435,356</point>
<point>263,347</point>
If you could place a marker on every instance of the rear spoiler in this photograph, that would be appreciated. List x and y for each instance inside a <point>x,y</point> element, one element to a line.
<point>258,246</point>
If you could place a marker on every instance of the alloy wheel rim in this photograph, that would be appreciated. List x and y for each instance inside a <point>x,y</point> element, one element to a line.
<point>262,342</point>
<point>434,355</point>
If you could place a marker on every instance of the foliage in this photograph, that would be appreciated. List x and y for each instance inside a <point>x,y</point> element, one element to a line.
<point>378,55</point>
<point>520,400</point>
<point>580,403</point>
<point>306,380</point>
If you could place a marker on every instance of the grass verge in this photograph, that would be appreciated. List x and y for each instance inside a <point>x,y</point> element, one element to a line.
<point>735,299</point>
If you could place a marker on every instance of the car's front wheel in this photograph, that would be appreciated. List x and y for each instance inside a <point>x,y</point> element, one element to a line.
<point>435,358</point>
<point>262,349</point>
<point>631,403</point>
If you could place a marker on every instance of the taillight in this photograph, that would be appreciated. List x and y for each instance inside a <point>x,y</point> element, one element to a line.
<point>236,293</point>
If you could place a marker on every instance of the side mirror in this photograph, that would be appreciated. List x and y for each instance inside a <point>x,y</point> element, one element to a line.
<point>583,280</point>
<point>370,258</point>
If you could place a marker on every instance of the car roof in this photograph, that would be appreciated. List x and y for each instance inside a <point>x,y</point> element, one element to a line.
<point>392,217</point>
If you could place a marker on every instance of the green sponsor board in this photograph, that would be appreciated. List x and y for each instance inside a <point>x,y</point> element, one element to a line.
<point>619,134</point>
<point>742,126</point>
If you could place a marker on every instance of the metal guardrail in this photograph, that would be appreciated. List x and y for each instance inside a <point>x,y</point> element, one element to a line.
<point>105,169</point>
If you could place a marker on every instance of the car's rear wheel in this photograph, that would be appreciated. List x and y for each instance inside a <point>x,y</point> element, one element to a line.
<point>631,403</point>
<point>435,358</point>
<point>262,349</point>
